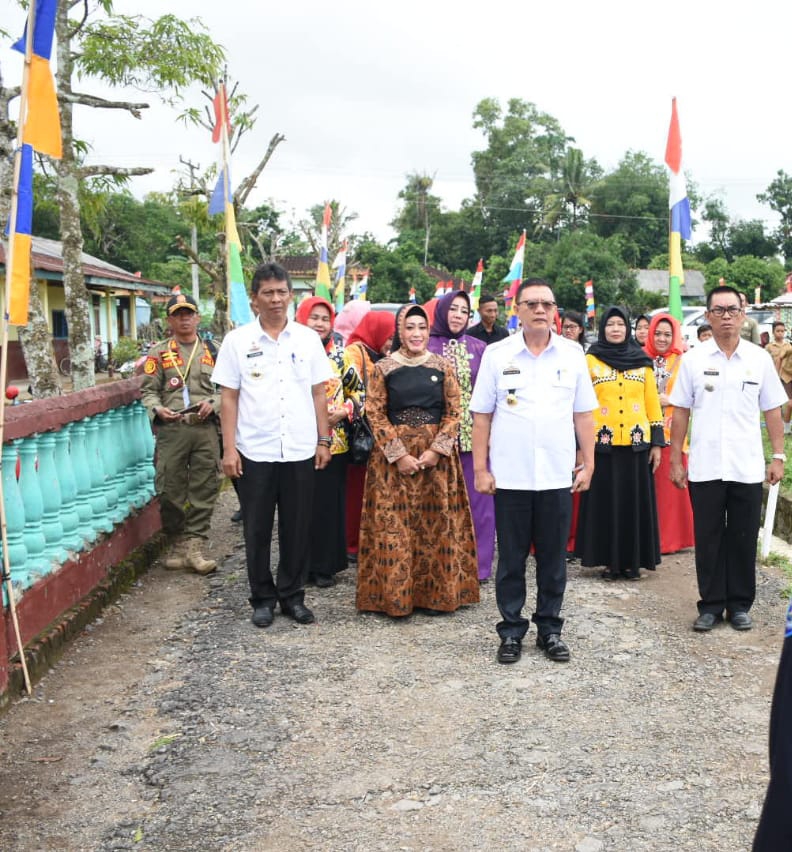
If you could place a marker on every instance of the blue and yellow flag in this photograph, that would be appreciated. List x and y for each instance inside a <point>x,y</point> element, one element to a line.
<point>42,120</point>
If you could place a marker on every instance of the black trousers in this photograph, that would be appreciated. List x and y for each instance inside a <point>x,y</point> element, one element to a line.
<point>775,826</point>
<point>262,487</point>
<point>522,519</point>
<point>328,526</point>
<point>726,519</point>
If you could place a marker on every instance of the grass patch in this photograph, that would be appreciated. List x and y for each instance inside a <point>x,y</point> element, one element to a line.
<point>778,560</point>
<point>164,740</point>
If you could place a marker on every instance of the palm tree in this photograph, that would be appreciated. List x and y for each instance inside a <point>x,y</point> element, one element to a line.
<point>571,200</point>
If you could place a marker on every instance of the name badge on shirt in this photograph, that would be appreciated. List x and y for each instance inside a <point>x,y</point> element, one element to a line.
<point>711,372</point>
<point>255,353</point>
<point>511,370</point>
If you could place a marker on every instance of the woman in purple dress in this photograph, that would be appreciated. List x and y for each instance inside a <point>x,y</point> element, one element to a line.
<point>448,338</point>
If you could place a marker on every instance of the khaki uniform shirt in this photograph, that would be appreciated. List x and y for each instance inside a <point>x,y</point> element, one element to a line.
<point>165,374</point>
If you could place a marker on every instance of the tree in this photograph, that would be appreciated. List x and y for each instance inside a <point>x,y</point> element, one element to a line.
<point>632,202</point>
<point>164,55</point>
<point>340,220</point>
<point>569,203</point>
<point>747,273</point>
<point>518,168</point>
<point>778,196</point>
<point>581,255</point>
<point>394,270</point>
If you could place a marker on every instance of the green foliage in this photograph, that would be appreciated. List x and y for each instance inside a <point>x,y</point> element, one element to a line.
<point>632,203</point>
<point>125,350</point>
<point>394,270</point>
<point>519,167</point>
<point>164,54</point>
<point>747,273</point>
<point>778,196</point>
<point>581,255</point>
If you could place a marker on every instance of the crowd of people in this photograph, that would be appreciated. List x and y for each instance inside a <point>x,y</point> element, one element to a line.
<point>472,432</point>
<point>562,452</point>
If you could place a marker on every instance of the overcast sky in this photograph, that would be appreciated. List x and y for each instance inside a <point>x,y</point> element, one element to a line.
<point>366,93</point>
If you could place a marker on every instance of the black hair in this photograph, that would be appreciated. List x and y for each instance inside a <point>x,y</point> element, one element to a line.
<point>705,326</point>
<point>486,298</point>
<point>724,288</point>
<point>269,272</point>
<point>531,282</point>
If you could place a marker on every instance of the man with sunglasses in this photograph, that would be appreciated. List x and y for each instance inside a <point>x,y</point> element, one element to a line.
<point>533,395</point>
<point>726,382</point>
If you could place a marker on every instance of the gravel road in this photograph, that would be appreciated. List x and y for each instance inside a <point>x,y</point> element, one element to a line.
<point>174,724</point>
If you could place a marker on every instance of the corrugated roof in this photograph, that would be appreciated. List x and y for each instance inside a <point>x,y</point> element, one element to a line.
<point>48,258</point>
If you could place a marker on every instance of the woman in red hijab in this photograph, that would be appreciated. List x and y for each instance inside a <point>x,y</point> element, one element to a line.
<point>369,342</point>
<point>674,513</point>
<point>344,392</point>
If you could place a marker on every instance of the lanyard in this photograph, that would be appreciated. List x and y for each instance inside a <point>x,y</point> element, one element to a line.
<point>183,376</point>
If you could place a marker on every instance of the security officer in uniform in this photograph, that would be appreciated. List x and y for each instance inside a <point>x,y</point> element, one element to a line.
<point>183,407</point>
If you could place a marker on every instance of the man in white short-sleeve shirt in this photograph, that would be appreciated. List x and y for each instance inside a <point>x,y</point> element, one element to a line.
<point>532,396</point>
<point>273,413</point>
<point>726,382</point>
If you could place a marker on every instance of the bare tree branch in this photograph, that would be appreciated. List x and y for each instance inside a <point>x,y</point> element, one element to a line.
<point>209,268</point>
<point>119,171</point>
<point>247,185</point>
<point>93,101</point>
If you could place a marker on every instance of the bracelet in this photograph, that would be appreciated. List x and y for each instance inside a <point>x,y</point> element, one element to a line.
<point>326,440</point>
<point>779,457</point>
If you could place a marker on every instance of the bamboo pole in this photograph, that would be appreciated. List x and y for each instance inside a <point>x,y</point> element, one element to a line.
<point>23,104</point>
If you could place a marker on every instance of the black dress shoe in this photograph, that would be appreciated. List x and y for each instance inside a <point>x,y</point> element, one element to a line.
<point>740,621</point>
<point>554,649</point>
<point>263,616</point>
<point>510,650</point>
<point>299,612</point>
<point>324,581</point>
<point>706,621</point>
<point>352,558</point>
<point>236,518</point>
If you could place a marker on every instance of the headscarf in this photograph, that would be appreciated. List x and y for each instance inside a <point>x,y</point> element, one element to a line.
<point>349,317</point>
<point>373,332</point>
<point>439,326</point>
<point>430,307</point>
<point>304,311</point>
<point>404,312</point>
<point>676,348</point>
<point>621,356</point>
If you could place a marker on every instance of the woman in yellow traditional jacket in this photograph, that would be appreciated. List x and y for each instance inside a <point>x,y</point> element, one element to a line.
<point>617,527</point>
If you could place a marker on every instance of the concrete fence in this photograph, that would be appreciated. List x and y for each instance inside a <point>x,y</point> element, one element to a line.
<point>78,484</point>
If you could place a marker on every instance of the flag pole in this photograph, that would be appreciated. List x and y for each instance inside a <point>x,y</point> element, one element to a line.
<point>23,101</point>
<point>227,194</point>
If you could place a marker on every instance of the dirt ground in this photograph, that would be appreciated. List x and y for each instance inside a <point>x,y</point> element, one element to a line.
<point>173,724</point>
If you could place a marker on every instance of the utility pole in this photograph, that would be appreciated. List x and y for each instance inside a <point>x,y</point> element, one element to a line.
<point>193,230</point>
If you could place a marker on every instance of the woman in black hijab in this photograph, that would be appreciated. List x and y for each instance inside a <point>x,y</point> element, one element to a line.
<point>617,527</point>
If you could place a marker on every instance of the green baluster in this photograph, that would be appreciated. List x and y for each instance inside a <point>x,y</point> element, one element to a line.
<point>101,516</point>
<point>51,498</point>
<point>38,562</point>
<point>15,520</point>
<point>70,520</point>
<point>82,481</point>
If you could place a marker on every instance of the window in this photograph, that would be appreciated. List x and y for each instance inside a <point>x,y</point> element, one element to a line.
<point>59,327</point>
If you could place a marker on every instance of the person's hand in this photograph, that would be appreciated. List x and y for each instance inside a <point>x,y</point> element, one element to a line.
<point>654,458</point>
<point>232,463</point>
<point>664,399</point>
<point>205,410</point>
<point>428,458</point>
<point>582,480</point>
<point>484,482</point>
<point>775,471</point>
<point>322,457</point>
<point>679,474</point>
<point>167,415</point>
<point>335,416</point>
<point>408,465</point>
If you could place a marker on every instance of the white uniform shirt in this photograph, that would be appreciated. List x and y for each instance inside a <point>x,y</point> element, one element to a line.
<point>725,396</point>
<point>532,442</point>
<point>276,419</point>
